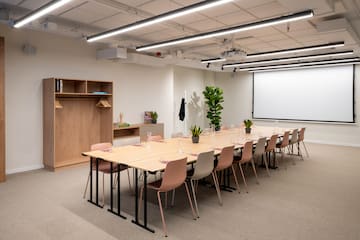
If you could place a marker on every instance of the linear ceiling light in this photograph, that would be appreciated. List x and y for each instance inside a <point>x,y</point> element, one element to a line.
<point>241,28</point>
<point>43,10</point>
<point>300,64</point>
<point>311,66</point>
<point>335,54</point>
<point>159,18</point>
<point>213,60</point>
<point>297,50</point>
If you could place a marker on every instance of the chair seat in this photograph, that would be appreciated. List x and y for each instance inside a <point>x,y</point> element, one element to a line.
<point>155,185</point>
<point>105,167</point>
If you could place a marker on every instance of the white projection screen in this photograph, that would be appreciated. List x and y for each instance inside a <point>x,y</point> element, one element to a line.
<point>323,94</point>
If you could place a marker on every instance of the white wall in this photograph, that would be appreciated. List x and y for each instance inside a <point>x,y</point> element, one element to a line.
<point>136,89</point>
<point>191,82</point>
<point>238,106</point>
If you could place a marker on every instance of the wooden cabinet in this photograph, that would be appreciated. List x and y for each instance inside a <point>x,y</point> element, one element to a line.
<point>76,114</point>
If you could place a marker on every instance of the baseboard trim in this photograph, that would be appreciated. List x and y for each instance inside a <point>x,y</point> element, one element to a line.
<point>332,143</point>
<point>24,169</point>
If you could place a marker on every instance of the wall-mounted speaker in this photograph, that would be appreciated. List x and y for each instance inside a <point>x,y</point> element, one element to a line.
<point>28,49</point>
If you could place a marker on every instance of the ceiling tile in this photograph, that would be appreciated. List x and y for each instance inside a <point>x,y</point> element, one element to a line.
<point>159,7</point>
<point>11,2</point>
<point>220,10</point>
<point>263,32</point>
<point>33,4</point>
<point>273,37</point>
<point>206,25</point>
<point>185,2</point>
<point>272,9</point>
<point>235,18</point>
<point>261,47</point>
<point>117,20</point>
<point>194,17</point>
<point>133,3</point>
<point>246,4</point>
<point>89,12</point>
<point>284,44</point>
<point>295,26</point>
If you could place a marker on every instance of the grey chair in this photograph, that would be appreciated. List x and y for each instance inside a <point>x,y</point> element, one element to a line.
<point>203,168</point>
<point>301,140</point>
<point>259,152</point>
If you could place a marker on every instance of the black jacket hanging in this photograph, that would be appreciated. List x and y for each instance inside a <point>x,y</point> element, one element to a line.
<point>182,110</point>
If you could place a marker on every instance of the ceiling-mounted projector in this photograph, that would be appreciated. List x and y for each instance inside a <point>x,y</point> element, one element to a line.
<point>233,52</point>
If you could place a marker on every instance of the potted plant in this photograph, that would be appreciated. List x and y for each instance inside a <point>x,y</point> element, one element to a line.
<point>195,131</point>
<point>248,123</point>
<point>214,99</point>
<point>154,117</point>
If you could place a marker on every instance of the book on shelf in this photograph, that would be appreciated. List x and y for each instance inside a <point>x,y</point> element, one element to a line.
<point>58,85</point>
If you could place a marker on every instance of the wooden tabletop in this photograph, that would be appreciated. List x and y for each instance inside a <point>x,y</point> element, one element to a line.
<point>152,156</point>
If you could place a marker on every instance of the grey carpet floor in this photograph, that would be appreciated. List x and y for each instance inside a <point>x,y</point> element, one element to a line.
<point>318,198</point>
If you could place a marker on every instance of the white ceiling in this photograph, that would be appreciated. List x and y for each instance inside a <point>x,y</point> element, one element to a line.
<point>82,18</point>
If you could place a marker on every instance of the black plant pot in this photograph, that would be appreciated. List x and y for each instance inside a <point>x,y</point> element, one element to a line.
<point>195,139</point>
<point>247,130</point>
<point>153,121</point>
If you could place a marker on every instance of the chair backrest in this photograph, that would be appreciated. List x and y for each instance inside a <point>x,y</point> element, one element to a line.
<point>174,175</point>
<point>204,165</point>
<point>294,136</point>
<point>100,146</point>
<point>155,138</point>
<point>272,143</point>
<point>247,152</point>
<point>301,134</point>
<point>260,147</point>
<point>285,139</point>
<point>226,158</point>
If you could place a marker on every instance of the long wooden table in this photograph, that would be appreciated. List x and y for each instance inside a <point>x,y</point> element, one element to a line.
<point>151,157</point>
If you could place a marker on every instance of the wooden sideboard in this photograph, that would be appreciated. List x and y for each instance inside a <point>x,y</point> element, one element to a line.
<point>138,130</point>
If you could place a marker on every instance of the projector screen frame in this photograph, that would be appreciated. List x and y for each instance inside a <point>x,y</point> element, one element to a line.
<point>308,121</point>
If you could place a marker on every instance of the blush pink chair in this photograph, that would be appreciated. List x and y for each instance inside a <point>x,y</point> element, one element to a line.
<point>174,176</point>
<point>225,161</point>
<point>270,147</point>
<point>246,157</point>
<point>283,144</point>
<point>104,167</point>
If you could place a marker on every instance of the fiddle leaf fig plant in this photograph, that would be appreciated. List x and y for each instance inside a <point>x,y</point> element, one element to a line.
<point>214,99</point>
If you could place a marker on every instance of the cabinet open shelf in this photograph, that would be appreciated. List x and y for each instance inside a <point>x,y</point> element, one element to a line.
<point>73,120</point>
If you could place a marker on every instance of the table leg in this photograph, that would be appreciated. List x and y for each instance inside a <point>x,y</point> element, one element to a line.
<point>136,220</point>
<point>118,213</point>
<point>96,185</point>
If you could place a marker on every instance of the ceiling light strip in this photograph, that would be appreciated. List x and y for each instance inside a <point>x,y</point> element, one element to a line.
<point>297,50</point>
<point>310,66</point>
<point>335,54</point>
<point>159,18</point>
<point>300,64</point>
<point>43,10</point>
<point>241,28</point>
<point>213,60</point>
